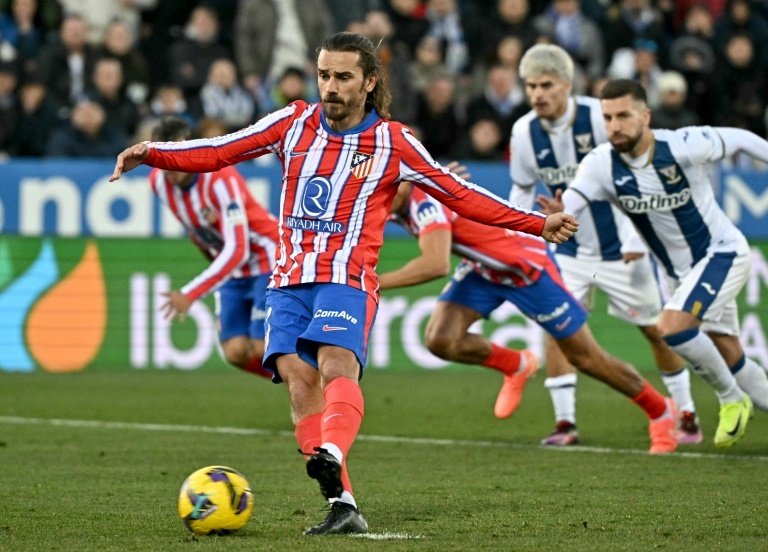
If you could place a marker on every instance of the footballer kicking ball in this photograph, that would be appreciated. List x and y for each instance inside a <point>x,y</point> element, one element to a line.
<point>215,500</point>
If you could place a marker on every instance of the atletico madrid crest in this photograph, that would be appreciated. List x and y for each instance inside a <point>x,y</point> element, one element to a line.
<point>361,164</point>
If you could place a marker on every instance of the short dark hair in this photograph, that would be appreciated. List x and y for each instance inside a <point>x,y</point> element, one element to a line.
<point>171,129</point>
<point>618,88</point>
<point>380,97</point>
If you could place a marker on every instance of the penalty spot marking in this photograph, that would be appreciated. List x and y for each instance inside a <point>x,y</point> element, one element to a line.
<point>385,536</point>
<point>468,443</point>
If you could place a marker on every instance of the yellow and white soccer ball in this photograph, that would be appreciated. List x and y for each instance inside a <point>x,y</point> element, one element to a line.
<point>215,500</point>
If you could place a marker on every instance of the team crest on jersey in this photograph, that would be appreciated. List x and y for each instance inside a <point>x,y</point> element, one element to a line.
<point>671,174</point>
<point>361,164</point>
<point>583,142</point>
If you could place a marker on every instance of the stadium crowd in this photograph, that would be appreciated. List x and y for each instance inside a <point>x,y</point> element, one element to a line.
<point>89,77</point>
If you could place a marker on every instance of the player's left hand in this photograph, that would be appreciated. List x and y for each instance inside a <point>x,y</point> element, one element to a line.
<point>549,205</point>
<point>559,227</point>
<point>630,256</point>
<point>459,170</point>
<point>177,305</point>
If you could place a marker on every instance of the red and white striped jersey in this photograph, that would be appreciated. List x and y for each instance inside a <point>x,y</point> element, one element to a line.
<point>222,219</point>
<point>502,256</point>
<point>337,189</point>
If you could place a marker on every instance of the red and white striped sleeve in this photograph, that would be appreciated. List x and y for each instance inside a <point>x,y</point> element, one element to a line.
<point>212,154</point>
<point>464,198</point>
<point>234,230</point>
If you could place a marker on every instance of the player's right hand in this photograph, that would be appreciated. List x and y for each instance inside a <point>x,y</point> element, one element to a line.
<point>129,159</point>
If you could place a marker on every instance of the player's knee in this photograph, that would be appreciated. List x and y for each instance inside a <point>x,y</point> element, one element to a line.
<point>440,345</point>
<point>236,353</point>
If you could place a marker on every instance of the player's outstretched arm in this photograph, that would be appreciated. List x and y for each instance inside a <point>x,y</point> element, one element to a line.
<point>559,227</point>
<point>129,159</point>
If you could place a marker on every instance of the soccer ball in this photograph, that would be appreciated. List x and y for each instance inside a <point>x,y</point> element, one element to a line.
<point>215,500</point>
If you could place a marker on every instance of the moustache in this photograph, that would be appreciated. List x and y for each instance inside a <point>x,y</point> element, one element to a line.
<point>333,99</point>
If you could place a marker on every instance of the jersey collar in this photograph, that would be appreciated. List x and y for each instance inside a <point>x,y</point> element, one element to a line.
<point>368,121</point>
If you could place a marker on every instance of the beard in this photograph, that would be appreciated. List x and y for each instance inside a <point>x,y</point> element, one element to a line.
<point>336,108</point>
<point>627,145</point>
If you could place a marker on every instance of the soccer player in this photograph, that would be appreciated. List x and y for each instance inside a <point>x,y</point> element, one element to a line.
<point>501,265</point>
<point>547,143</point>
<point>239,237</point>
<point>659,178</point>
<point>342,160</point>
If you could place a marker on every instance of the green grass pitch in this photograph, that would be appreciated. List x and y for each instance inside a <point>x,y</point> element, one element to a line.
<point>94,461</point>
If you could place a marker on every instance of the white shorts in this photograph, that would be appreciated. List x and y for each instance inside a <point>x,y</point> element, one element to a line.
<point>709,290</point>
<point>632,288</point>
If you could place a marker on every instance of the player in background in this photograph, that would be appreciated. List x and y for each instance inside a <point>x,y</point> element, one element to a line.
<point>237,235</point>
<point>659,178</point>
<point>607,254</point>
<point>500,265</point>
<point>342,161</point>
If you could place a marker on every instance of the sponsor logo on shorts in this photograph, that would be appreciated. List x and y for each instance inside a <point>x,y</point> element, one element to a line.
<point>328,328</point>
<point>558,312</point>
<point>344,315</point>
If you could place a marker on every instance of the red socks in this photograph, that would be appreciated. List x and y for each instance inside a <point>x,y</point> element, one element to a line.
<point>342,414</point>
<point>338,423</point>
<point>254,366</point>
<point>651,401</point>
<point>506,361</point>
<point>307,433</point>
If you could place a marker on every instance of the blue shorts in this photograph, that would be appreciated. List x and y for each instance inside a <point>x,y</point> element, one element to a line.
<point>546,301</point>
<point>240,307</point>
<point>303,317</point>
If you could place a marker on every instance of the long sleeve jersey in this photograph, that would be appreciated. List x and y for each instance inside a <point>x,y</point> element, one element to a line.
<point>501,256</point>
<point>222,218</point>
<point>337,189</point>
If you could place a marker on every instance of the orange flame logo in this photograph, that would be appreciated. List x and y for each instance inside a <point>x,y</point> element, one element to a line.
<point>66,328</point>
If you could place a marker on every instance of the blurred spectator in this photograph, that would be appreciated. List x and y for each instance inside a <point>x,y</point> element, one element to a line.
<point>36,121</point>
<point>9,108</point>
<point>37,118</point>
<point>630,20</point>
<point>47,13</point>
<point>639,64</point>
<point>483,142</point>
<point>671,112</point>
<point>680,9</point>
<point>86,135</point>
<point>436,117</point>
<point>502,100</point>
<point>741,18</point>
<point>66,63</point>
<point>510,19</point>
<point>271,36</point>
<point>410,22</point>
<point>224,99</point>
<point>743,87</point>
<point>445,23</point>
<point>345,12</point>
<point>119,43</point>
<point>211,128</point>
<point>395,60</point>
<point>428,63</point>
<point>578,35</point>
<point>191,57</point>
<point>162,26</point>
<point>695,42</point>
<point>98,14</point>
<point>291,86</point>
<point>168,100</point>
<point>109,92</point>
<point>20,31</point>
